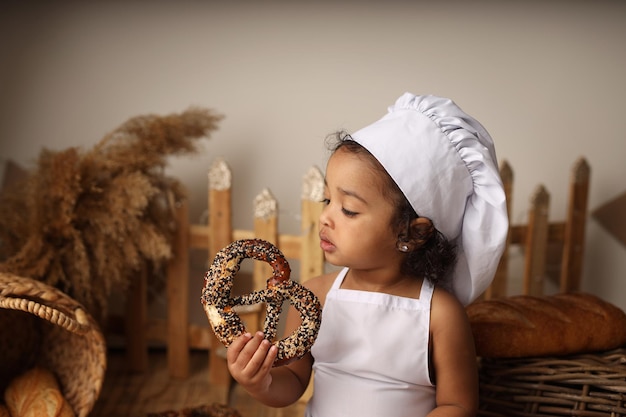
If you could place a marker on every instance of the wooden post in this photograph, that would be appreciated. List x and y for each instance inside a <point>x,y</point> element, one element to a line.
<point>136,323</point>
<point>266,228</point>
<point>178,298</point>
<point>220,202</point>
<point>312,256</point>
<point>220,235</point>
<point>536,243</point>
<point>574,239</point>
<point>498,288</point>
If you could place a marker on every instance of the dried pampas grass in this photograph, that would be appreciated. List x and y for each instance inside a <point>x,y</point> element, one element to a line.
<point>88,222</point>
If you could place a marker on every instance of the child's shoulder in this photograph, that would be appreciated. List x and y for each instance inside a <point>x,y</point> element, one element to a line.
<point>444,303</point>
<point>320,285</point>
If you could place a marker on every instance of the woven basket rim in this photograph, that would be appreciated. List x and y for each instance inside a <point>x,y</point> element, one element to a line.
<point>586,384</point>
<point>71,329</point>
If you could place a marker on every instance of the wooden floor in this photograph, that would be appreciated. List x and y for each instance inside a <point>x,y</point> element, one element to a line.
<point>135,394</point>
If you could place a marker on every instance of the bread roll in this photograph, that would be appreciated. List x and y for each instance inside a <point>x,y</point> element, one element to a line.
<point>36,393</point>
<point>562,324</point>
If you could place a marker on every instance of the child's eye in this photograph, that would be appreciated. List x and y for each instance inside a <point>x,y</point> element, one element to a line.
<point>349,213</point>
<point>346,212</point>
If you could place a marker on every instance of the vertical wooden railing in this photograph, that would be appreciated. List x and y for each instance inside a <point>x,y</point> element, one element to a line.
<point>135,324</point>
<point>219,235</point>
<point>179,336</point>
<point>177,290</point>
<point>574,234</point>
<point>539,233</point>
<point>312,259</point>
<point>266,228</point>
<point>536,243</point>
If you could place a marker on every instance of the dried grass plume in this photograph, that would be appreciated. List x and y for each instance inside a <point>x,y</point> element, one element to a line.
<point>86,222</point>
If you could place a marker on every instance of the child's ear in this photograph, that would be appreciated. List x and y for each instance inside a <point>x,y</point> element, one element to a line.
<point>421,230</point>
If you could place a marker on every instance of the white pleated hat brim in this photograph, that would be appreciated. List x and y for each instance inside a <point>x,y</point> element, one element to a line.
<point>444,162</point>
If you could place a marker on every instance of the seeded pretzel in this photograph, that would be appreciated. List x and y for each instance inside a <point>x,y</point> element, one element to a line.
<point>226,323</point>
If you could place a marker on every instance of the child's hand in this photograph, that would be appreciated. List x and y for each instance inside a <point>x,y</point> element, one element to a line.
<point>250,359</point>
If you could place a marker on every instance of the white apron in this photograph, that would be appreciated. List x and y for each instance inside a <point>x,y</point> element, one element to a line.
<point>371,355</point>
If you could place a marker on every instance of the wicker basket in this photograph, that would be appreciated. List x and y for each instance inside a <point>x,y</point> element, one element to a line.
<point>586,385</point>
<point>40,325</point>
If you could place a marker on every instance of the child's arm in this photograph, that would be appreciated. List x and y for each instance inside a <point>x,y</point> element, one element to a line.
<point>453,358</point>
<point>250,359</point>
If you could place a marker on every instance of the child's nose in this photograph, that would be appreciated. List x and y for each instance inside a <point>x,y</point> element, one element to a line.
<point>325,218</point>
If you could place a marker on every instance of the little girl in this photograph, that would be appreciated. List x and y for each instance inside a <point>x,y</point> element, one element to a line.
<point>415,213</point>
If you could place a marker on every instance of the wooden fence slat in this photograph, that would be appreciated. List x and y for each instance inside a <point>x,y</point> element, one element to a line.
<point>266,228</point>
<point>220,202</point>
<point>220,227</point>
<point>536,242</point>
<point>556,233</point>
<point>177,291</point>
<point>312,256</point>
<point>567,236</point>
<point>136,324</point>
<point>574,239</point>
<point>290,245</point>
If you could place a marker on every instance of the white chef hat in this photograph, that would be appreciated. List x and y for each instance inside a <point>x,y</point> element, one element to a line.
<point>444,162</point>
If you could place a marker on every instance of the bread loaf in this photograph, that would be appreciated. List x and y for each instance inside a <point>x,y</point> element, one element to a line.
<point>562,324</point>
<point>35,393</point>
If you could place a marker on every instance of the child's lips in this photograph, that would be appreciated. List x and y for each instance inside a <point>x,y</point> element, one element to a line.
<point>326,245</point>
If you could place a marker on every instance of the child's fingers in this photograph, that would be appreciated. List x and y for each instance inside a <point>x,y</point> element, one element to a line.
<point>259,353</point>
<point>235,348</point>
<point>268,363</point>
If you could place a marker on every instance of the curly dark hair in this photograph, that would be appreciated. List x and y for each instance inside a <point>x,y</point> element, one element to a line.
<point>435,258</point>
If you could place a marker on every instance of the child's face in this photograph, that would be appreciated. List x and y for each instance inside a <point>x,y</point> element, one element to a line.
<point>355,226</point>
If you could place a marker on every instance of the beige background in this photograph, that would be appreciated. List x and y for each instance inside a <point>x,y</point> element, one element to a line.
<point>545,77</point>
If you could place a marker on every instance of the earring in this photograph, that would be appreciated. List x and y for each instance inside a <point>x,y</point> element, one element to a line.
<point>402,247</point>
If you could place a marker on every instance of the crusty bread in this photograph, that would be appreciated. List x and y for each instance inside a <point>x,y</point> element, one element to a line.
<point>35,393</point>
<point>562,324</point>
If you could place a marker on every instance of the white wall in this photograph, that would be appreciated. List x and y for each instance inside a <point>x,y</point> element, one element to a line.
<point>546,78</point>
